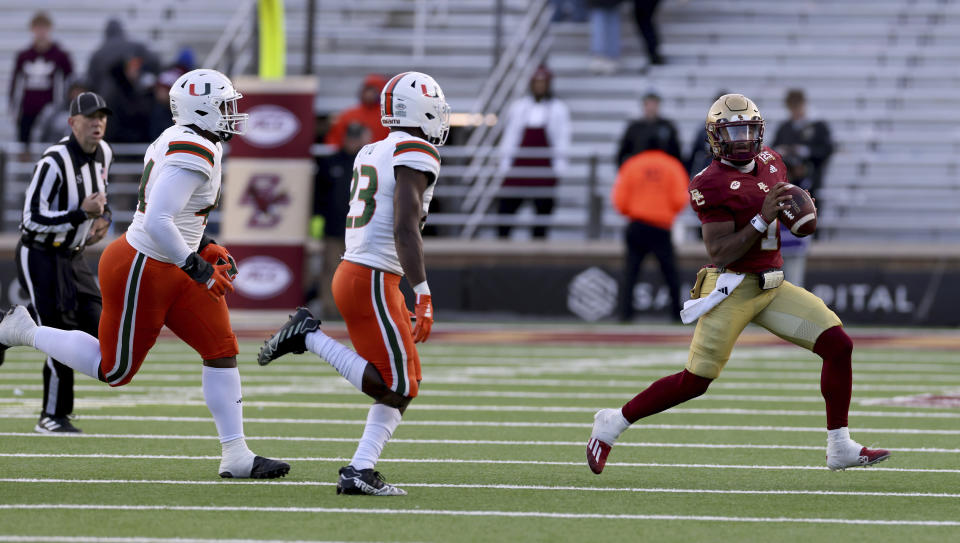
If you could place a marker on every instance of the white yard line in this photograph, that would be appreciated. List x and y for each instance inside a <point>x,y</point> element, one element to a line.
<point>658,465</point>
<point>923,414</point>
<point>516,443</point>
<point>560,488</point>
<point>504,424</point>
<point>473,513</point>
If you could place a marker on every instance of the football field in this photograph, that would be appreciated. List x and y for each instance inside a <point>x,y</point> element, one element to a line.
<point>493,449</point>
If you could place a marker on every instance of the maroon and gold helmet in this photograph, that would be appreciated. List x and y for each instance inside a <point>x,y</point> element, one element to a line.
<point>734,128</point>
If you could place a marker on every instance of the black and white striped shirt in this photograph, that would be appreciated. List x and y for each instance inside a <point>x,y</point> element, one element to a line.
<point>61,180</point>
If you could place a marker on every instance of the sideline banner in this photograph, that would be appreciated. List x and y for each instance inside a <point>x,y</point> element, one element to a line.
<point>268,192</point>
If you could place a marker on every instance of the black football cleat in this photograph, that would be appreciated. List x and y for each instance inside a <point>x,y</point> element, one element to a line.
<point>49,424</point>
<point>290,338</point>
<point>263,468</point>
<point>367,482</point>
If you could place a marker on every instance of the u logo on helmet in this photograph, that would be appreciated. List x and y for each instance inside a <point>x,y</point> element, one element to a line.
<point>193,90</point>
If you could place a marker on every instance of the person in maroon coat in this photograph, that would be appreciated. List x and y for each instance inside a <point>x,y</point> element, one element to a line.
<point>39,76</point>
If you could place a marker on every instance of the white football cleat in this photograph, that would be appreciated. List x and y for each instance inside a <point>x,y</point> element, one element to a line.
<point>608,424</point>
<point>853,455</point>
<point>17,327</point>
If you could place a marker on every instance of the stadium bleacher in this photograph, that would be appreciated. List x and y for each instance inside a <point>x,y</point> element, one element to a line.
<point>881,76</point>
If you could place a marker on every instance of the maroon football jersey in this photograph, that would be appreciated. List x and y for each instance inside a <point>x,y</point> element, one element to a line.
<point>722,193</point>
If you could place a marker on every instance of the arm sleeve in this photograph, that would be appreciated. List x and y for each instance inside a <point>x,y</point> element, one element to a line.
<point>171,192</point>
<point>37,215</point>
<point>619,196</point>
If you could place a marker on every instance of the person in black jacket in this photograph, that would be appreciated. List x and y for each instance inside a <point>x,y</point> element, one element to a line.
<point>651,126</point>
<point>804,138</point>
<point>331,200</point>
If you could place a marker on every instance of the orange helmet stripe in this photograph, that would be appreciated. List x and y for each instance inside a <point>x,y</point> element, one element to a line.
<point>388,94</point>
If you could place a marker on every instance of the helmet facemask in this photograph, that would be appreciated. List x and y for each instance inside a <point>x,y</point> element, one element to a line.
<point>738,141</point>
<point>231,120</point>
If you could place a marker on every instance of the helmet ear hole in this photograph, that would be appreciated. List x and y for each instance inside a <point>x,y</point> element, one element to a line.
<point>430,116</point>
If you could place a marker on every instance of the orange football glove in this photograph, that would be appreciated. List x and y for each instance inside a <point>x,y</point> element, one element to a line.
<point>424,314</point>
<point>218,254</point>
<point>221,282</point>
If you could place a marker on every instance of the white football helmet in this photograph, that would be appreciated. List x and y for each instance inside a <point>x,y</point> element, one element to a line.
<point>207,99</point>
<point>415,99</point>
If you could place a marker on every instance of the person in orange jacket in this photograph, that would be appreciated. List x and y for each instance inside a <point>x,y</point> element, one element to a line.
<point>650,190</point>
<point>367,113</point>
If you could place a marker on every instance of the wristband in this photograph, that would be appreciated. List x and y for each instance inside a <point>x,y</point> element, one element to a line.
<point>422,288</point>
<point>758,223</point>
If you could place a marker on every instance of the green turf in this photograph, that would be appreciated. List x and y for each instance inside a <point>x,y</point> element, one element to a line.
<point>492,448</point>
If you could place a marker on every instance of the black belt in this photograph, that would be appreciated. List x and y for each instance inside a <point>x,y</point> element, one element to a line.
<point>54,247</point>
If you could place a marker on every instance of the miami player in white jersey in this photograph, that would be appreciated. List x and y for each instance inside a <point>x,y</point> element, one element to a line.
<point>393,182</point>
<point>165,271</point>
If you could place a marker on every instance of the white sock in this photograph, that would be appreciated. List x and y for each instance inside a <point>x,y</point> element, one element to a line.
<point>78,350</point>
<point>236,458</point>
<point>221,390</point>
<point>382,420</point>
<point>346,361</point>
<point>839,440</point>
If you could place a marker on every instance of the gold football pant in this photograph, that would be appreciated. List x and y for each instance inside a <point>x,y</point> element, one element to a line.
<point>788,311</point>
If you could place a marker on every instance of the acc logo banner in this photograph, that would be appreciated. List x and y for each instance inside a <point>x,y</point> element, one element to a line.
<point>271,126</point>
<point>262,277</point>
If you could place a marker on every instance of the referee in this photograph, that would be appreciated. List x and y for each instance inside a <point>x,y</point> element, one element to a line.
<point>66,210</point>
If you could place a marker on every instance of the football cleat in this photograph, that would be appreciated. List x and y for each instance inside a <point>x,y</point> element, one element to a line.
<point>597,452</point>
<point>354,481</point>
<point>17,327</point>
<point>263,468</point>
<point>290,338</point>
<point>608,424</point>
<point>865,457</point>
<point>49,424</point>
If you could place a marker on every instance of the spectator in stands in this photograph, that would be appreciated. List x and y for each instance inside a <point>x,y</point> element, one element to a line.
<point>51,124</point>
<point>643,11</point>
<point>331,201</point>
<point>792,248</point>
<point>186,60</point>
<point>805,138</point>
<point>40,76</point>
<point>116,48</point>
<point>650,190</point>
<point>367,113</point>
<point>132,102</point>
<point>160,116</point>
<point>536,134</point>
<point>569,10</point>
<point>651,126</point>
<point>604,35</point>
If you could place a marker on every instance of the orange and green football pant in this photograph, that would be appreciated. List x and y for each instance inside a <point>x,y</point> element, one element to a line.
<point>140,296</point>
<point>792,313</point>
<point>378,322</point>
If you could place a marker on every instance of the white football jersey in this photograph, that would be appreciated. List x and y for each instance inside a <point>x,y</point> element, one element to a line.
<point>178,147</point>
<point>369,236</point>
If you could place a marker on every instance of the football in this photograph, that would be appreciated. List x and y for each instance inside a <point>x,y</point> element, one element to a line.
<point>801,215</point>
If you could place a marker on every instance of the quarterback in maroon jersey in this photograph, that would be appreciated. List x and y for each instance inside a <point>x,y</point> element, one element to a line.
<point>738,198</point>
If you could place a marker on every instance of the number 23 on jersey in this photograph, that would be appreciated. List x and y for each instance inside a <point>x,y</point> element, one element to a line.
<point>365,196</point>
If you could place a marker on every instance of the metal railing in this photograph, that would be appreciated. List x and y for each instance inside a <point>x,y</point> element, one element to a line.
<point>582,208</point>
<point>507,82</point>
<point>235,51</point>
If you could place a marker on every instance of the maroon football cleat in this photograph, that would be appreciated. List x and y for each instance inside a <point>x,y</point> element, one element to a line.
<point>866,457</point>
<point>597,452</point>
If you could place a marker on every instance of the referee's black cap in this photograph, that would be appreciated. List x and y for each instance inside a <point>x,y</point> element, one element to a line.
<point>88,103</point>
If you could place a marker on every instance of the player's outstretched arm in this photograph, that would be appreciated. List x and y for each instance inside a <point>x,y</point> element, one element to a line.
<point>725,244</point>
<point>408,210</point>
